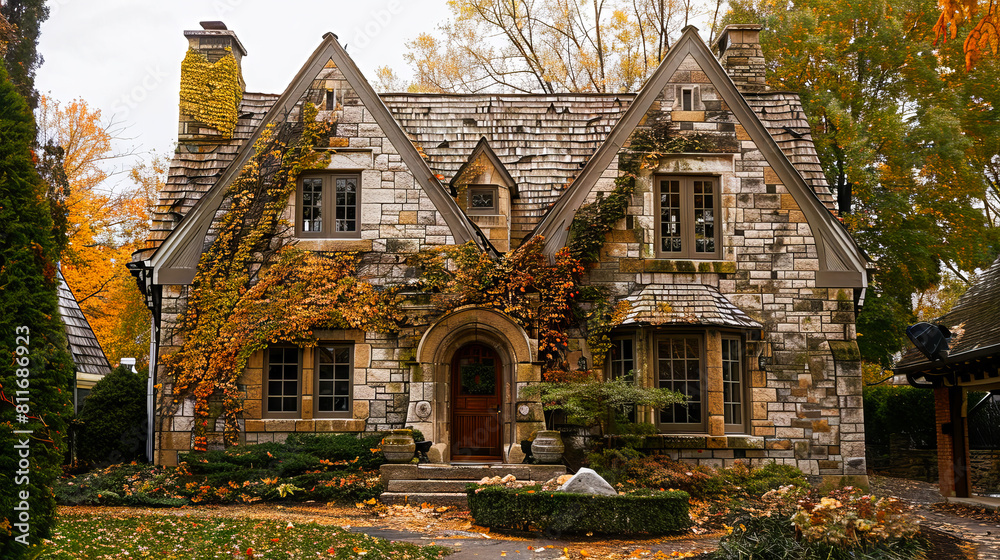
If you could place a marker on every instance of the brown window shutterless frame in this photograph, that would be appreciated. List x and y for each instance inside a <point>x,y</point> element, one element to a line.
<point>334,381</point>
<point>483,200</point>
<point>329,206</point>
<point>680,366</point>
<point>687,217</point>
<point>282,380</point>
<point>734,385</point>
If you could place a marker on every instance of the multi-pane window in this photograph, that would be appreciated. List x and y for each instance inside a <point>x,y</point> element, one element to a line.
<point>329,206</point>
<point>679,368</point>
<point>621,363</point>
<point>281,386</point>
<point>482,200</point>
<point>333,380</point>
<point>732,384</point>
<point>688,217</point>
<point>312,205</point>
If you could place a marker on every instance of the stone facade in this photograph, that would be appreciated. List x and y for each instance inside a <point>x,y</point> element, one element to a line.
<point>778,372</point>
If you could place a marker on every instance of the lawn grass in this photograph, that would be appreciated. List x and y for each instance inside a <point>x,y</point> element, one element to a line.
<point>117,536</point>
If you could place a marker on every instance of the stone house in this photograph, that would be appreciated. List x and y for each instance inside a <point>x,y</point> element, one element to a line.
<point>742,285</point>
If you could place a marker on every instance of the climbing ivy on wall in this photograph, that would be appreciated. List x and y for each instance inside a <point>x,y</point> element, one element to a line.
<point>521,284</point>
<point>252,290</point>
<point>210,91</point>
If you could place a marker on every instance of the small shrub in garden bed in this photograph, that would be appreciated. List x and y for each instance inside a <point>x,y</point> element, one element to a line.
<point>530,507</point>
<point>324,468</point>
<point>845,524</point>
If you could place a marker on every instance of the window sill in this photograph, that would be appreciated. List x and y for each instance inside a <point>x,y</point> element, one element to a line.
<point>678,265</point>
<point>677,441</point>
<point>334,244</point>
<point>311,425</point>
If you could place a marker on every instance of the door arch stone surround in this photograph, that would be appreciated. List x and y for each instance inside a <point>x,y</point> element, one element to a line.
<point>430,377</point>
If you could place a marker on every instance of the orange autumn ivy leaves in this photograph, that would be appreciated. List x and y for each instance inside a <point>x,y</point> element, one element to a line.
<point>251,290</point>
<point>521,284</point>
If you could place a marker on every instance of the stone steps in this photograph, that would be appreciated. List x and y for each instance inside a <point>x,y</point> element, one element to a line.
<point>444,484</point>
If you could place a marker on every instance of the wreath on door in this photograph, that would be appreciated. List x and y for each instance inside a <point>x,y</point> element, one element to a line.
<point>479,379</point>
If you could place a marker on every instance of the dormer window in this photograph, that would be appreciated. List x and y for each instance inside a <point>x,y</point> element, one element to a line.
<point>483,200</point>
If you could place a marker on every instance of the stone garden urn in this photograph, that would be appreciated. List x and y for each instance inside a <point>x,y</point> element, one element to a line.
<point>548,446</point>
<point>398,446</point>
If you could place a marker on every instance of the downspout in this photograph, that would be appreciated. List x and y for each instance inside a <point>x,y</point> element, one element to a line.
<point>153,296</point>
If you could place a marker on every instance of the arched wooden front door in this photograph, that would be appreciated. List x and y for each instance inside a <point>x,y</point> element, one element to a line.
<point>476,403</point>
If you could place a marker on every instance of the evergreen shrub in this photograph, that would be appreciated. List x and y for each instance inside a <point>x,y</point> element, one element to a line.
<point>114,420</point>
<point>529,507</point>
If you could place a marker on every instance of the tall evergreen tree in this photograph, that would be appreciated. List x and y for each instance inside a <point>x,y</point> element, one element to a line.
<point>35,364</point>
<point>22,58</point>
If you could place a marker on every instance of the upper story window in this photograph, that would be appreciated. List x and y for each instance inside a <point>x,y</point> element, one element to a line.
<point>688,225</point>
<point>687,99</point>
<point>483,200</point>
<point>329,206</point>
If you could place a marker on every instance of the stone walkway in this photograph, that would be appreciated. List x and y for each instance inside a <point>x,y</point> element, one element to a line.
<point>983,536</point>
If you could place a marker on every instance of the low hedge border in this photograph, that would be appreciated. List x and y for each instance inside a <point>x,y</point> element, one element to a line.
<point>530,507</point>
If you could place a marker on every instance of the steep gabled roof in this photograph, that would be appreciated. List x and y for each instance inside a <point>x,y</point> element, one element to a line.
<point>88,357</point>
<point>175,260</point>
<point>842,264</point>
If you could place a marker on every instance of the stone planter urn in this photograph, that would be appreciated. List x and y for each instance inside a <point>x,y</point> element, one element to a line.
<point>398,446</point>
<point>548,446</point>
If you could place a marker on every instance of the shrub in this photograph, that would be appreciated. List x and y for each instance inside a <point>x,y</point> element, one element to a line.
<point>321,467</point>
<point>114,419</point>
<point>906,412</point>
<point>529,507</point>
<point>845,524</point>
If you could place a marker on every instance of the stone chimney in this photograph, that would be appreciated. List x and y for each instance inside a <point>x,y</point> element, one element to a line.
<point>738,49</point>
<point>209,112</point>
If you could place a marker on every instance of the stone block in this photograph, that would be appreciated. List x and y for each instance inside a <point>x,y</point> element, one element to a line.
<point>587,481</point>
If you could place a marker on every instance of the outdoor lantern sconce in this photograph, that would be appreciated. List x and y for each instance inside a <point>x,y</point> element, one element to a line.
<point>763,362</point>
<point>582,363</point>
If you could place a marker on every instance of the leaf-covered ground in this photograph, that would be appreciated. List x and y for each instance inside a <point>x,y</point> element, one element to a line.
<point>115,533</point>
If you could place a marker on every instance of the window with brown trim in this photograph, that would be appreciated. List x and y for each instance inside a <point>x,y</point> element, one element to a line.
<point>282,382</point>
<point>733,386</point>
<point>329,205</point>
<point>483,200</point>
<point>334,380</point>
<point>688,222</point>
<point>680,367</point>
<point>621,365</point>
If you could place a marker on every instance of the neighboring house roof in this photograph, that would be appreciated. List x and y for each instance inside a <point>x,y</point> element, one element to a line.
<point>686,304</point>
<point>974,323</point>
<point>91,363</point>
<point>554,147</point>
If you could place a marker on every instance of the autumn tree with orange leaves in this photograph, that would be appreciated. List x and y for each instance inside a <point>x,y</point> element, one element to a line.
<point>984,35</point>
<point>104,225</point>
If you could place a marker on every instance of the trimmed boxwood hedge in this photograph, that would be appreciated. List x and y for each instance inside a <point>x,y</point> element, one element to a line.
<point>529,508</point>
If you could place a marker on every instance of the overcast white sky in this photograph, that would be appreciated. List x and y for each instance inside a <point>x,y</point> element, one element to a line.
<point>123,56</point>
